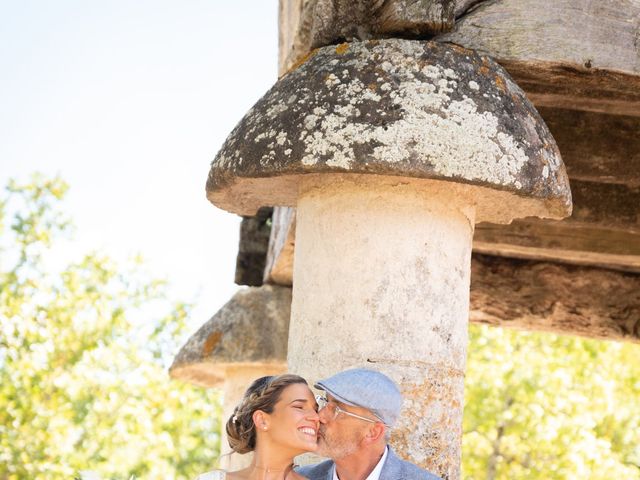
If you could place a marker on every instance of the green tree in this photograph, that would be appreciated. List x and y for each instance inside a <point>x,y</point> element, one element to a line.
<point>83,356</point>
<point>540,406</point>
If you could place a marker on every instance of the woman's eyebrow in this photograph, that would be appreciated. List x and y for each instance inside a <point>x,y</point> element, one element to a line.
<point>298,400</point>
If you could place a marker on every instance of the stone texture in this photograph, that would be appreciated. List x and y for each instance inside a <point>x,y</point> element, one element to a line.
<point>388,291</point>
<point>393,107</point>
<point>251,329</point>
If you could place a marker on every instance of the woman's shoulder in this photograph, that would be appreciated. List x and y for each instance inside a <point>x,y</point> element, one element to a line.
<point>212,475</point>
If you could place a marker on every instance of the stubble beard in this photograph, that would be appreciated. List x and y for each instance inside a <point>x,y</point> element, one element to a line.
<point>337,446</point>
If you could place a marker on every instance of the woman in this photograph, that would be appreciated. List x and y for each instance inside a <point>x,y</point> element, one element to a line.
<point>277,419</point>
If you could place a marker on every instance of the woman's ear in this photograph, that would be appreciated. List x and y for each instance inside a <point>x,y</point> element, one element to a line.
<point>261,420</point>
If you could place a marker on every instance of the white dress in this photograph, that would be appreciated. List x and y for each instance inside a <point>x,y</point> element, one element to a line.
<point>213,475</point>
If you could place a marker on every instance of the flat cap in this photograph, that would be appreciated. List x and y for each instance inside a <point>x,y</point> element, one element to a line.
<point>360,387</point>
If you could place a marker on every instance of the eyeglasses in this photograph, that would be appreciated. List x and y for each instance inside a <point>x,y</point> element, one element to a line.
<point>333,407</point>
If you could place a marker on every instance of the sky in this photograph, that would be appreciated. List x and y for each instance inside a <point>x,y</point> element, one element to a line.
<point>129,101</point>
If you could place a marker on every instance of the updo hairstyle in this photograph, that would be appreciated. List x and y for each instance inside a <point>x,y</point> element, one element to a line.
<point>262,394</point>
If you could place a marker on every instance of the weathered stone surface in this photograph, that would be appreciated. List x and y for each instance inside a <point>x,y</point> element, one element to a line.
<point>596,147</point>
<point>253,245</point>
<point>560,298</point>
<point>575,54</point>
<point>394,107</point>
<point>251,329</point>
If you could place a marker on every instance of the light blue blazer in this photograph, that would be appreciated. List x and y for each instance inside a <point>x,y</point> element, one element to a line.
<point>394,468</point>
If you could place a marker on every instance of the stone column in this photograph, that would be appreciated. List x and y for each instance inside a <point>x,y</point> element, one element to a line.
<point>400,306</point>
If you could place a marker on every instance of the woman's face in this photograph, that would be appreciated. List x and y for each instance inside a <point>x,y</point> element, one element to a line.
<point>294,421</point>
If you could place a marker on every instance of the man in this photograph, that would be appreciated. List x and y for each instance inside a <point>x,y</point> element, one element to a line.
<point>356,415</point>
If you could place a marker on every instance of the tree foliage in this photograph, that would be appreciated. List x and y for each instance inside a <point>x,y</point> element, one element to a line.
<point>83,383</point>
<point>83,356</point>
<point>542,406</point>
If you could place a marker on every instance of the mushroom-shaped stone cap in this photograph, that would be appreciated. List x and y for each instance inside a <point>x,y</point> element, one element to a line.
<point>405,108</point>
<point>251,329</point>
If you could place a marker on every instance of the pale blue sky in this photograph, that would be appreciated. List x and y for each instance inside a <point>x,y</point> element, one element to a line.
<point>129,101</point>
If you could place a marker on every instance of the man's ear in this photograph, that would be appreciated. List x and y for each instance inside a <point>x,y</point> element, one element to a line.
<point>260,420</point>
<point>375,433</point>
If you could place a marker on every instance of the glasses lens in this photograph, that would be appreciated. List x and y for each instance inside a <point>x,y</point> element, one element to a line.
<point>321,401</point>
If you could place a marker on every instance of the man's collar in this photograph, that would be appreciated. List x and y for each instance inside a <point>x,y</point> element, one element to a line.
<point>375,473</point>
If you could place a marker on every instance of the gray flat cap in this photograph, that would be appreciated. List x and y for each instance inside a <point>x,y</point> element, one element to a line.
<point>368,389</point>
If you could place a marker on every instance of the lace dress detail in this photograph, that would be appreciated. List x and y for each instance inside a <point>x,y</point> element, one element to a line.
<point>213,475</point>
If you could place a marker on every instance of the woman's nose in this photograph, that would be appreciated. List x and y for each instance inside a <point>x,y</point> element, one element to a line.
<point>313,415</point>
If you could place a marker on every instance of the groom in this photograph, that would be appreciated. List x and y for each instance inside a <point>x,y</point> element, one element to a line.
<point>356,415</point>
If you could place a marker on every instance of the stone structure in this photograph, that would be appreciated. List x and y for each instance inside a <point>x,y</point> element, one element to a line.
<point>244,340</point>
<point>392,150</point>
<point>577,61</point>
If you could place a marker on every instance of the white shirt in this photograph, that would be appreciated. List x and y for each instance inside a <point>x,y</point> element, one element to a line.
<point>375,473</point>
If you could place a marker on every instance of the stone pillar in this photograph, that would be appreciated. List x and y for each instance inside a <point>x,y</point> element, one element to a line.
<point>400,306</point>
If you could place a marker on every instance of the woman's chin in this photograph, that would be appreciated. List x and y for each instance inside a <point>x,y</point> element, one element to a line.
<point>313,447</point>
<point>308,447</point>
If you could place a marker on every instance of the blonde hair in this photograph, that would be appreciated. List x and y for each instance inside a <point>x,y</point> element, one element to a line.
<point>262,394</point>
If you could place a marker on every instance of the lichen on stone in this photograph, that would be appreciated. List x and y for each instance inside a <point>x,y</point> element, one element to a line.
<point>398,107</point>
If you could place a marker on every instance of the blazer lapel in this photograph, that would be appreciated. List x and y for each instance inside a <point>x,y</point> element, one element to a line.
<point>392,468</point>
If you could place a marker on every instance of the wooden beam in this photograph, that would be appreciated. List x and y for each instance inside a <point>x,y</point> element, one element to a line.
<point>604,206</point>
<point>416,17</point>
<point>603,230</point>
<point>254,239</point>
<point>556,242</point>
<point>309,24</point>
<point>560,84</point>
<point>575,54</point>
<point>596,147</point>
<point>279,263</point>
<point>568,299</point>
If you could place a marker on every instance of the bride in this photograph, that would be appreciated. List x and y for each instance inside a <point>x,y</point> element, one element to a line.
<point>276,419</point>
